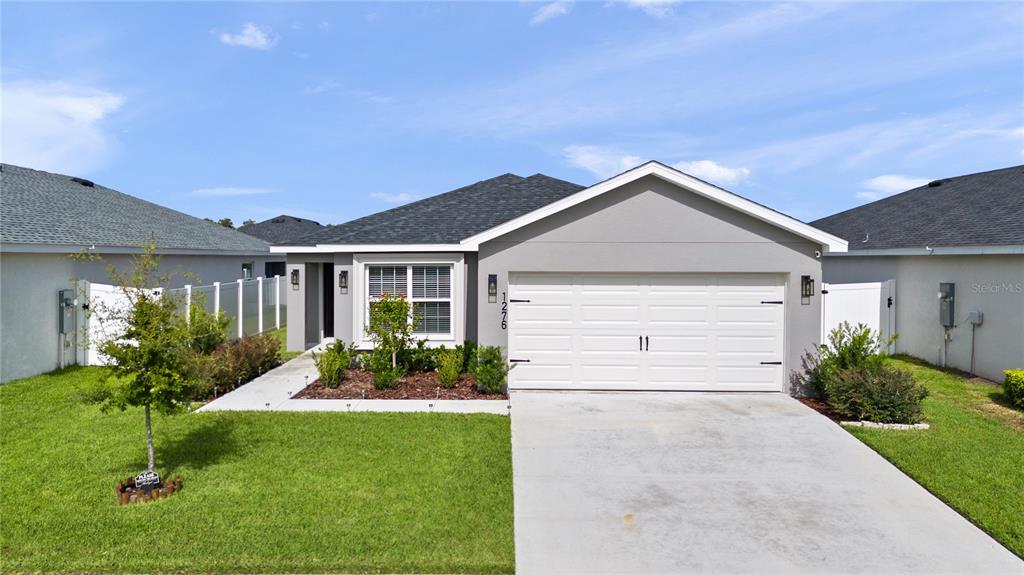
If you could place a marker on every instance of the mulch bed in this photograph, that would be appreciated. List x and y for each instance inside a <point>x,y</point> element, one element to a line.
<point>822,408</point>
<point>358,384</point>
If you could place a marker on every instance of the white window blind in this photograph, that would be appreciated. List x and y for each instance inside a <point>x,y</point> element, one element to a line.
<point>428,287</point>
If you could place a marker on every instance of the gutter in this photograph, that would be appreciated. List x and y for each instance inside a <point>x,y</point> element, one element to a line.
<point>936,251</point>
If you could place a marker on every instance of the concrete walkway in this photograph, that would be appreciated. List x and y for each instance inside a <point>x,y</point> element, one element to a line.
<point>273,391</point>
<point>720,483</point>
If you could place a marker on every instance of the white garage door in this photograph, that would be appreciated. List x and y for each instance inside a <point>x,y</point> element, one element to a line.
<point>721,332</point>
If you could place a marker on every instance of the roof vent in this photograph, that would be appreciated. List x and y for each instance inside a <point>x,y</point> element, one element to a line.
<point>279,220</point>
<point>935,183</point>
<point>84,182</point>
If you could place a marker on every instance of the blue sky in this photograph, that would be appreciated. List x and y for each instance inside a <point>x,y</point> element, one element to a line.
<point>332,111</point>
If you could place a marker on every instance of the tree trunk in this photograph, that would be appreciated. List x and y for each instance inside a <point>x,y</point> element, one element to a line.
<point>149,440</point>
<point>394,359</point>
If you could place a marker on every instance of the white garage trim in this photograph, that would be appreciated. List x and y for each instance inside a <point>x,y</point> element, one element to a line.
<point>647,331</point>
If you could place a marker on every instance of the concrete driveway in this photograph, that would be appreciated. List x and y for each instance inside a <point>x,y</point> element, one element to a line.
<point>720,483</point>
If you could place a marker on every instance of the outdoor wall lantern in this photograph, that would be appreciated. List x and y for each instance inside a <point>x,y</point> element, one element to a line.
<point>806,289</point>
<point>295,279</point>
<point>343,281</point>
<point>492,288</point>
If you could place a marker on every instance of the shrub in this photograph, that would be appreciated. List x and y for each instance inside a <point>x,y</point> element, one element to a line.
<point>419,358</point>
<point>449,366</point>
<point>884,394</point>
<point>385,374</point>
<point>468,350</point>
<point>491,369</point>
<point>234,363</point>
<point>207,330</point>
<point>333,363</point>
<point>1013,386</point>
<point>848,347</point>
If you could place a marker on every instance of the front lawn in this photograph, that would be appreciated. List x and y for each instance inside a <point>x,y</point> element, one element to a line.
<point>972,457</point>
<point>263,492</point>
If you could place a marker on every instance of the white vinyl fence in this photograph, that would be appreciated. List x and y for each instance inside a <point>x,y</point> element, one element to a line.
<point>252,306</point>
<point>872,304</point>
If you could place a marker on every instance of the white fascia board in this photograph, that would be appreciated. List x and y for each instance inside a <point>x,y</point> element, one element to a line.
<point>936,251</point>
<point>830,242</point>
<point>100,250</point>
<point>368,248</point>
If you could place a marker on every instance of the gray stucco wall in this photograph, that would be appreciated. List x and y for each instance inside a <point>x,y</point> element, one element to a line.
<point>28,295</point>
<point>652,226</point>
<point>992,284</point>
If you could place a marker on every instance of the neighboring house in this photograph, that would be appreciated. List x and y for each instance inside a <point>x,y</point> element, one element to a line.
<point>652,279</point>
<point>967,231</point>
<point>280,230</point>
<point>46,217</point>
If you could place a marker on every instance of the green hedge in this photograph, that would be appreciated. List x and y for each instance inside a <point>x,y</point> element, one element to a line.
<point>1013,386</point>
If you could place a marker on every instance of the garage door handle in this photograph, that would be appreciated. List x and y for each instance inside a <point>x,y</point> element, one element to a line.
<point>647,343</point>
<point>772,301</point>
<point>518,301</point>
<point>771,363</point>
<point>641,343</point>
<point>519,361</point>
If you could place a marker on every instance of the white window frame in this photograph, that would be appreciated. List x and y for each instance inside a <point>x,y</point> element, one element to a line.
<point>361,299</point>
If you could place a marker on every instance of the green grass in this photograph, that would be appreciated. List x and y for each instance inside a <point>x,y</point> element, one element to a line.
<point>972,457</point>
<point>281,335</point>
<point>263,492</point>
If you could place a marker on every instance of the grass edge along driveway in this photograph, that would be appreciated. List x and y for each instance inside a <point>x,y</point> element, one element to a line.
<point>263,492</point>
<point>972,456</point>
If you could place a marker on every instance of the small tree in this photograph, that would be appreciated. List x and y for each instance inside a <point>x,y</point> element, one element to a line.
<point>226,222</point>
<point>149,355</point>
<point>391,325</point>
<point>249,222</point>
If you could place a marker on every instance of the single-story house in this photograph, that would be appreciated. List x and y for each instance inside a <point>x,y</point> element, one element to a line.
<point>955,248</point>
<point>45,217</point>
<point>280,230</point>
<point>652,279</point>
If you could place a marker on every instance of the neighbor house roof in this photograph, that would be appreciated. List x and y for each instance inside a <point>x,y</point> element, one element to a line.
<point>450,217</point>
<point>281,229</point>
<point>466,217</point>
<point>983,209</point>
<point>41,211</point>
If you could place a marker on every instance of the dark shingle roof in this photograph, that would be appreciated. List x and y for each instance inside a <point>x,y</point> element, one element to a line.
<point>42,208</point>
<point>984,209</point>
<point>450,217</point>
<point>281,229</point>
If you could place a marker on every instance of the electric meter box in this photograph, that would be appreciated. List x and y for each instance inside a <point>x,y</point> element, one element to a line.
<point>66,318</point>
<point>947,304</point>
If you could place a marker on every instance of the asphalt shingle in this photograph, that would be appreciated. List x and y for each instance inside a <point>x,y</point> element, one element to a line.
<point>281,229</point>
<point>450,217</point>
<point>984,209</point>
<point>39,207</point>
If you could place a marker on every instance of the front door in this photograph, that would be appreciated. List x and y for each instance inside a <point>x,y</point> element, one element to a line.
<point>328,293</point>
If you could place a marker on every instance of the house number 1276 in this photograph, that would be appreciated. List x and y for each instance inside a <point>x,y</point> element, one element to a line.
<point>504,311</point>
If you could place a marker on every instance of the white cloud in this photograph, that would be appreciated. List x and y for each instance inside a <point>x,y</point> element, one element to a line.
<point>251,36</point>
<point>230,191</point>
<point>551,10</point>
<point>400,198</point>
<point>57,126</point>
<point>889,184</point>
<point>600,161</point>
<point>714,172</point>
<point>656,8</point>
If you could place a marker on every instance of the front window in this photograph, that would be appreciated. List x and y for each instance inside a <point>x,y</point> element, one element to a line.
<point>428,288</point>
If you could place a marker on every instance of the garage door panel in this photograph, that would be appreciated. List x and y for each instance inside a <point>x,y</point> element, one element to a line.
<point>703,331</point>
<point>681,316</point>
<point>601,314</point>
<point>544,315</point>
<point>609,343</point>
<point>766,375</point>
<point>534,343</point>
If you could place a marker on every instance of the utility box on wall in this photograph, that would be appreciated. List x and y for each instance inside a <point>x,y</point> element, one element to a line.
<point>947,304</point>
